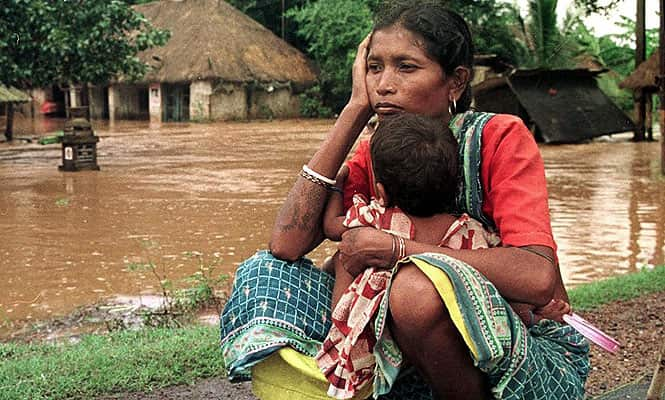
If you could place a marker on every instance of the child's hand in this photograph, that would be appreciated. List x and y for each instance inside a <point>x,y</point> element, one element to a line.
<point>553,310</point>
<point>341,176</point>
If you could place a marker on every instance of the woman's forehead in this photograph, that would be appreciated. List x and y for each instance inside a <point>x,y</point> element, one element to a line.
<point>395,40</point>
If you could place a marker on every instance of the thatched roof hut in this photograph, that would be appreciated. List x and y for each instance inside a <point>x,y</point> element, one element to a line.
<point>211,40</point>
<point>644,76</point>
<point>218,64</point>
<point>9,94</point>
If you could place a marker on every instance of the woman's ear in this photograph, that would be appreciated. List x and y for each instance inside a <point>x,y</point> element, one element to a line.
<point>459,80</point>
<point>381,195</point>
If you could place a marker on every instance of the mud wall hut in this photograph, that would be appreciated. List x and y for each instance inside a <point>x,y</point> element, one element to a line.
<point>558,106</point>
<point>219,64</point>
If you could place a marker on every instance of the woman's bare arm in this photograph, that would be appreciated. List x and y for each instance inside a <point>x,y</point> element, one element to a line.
<point>519,275</point>
<point>298,227</point>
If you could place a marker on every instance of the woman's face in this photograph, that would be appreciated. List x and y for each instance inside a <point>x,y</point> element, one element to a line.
<point>402,77</point>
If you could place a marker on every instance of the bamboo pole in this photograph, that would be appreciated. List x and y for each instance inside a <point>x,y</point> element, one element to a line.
<point>640,56</point>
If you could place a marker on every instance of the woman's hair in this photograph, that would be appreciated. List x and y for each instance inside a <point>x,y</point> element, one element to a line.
<point>415,158</point>
<point>447,36</point>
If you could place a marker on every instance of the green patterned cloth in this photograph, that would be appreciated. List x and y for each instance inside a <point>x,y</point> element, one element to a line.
<point>274,304</point>
<point>548,361</point>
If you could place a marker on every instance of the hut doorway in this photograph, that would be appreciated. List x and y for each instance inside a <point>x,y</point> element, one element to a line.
<point>176,102</point>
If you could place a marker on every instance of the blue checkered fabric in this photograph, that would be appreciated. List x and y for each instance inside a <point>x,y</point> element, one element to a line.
<point>274,304</point>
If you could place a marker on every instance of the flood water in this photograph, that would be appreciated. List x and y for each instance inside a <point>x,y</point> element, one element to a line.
<point>167,191</point>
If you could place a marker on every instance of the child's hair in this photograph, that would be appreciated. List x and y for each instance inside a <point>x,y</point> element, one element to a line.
<point>416,160</point>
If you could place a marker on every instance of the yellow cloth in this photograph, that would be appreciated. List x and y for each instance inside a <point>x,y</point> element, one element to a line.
<point>289,375</point>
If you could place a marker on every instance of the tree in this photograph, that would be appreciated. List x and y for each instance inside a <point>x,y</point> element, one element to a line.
<point>597,6</point>
<point>333,31</point>
<point>45,42</point>
<point>271,14</point>
<point>494,26</point>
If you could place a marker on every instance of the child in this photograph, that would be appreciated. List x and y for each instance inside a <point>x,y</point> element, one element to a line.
<point>415,166</point>
<point>416,170</point>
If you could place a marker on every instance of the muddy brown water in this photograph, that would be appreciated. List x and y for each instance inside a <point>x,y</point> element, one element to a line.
<point>167,191</point>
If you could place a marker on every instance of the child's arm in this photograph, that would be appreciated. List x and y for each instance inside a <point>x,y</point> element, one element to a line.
<point>333,215</point>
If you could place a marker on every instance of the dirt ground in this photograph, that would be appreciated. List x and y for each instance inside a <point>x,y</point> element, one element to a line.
<point>639,325</point>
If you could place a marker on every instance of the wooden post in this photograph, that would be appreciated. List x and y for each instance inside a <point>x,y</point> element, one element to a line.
<point>9,129</point>
<point>657,387</point>
<point>661,86</point>
<point>283,23</point>
<point>648,97</point>
<point>640,56</point>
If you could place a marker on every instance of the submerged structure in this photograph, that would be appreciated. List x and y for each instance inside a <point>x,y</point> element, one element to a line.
<point>558,106</point>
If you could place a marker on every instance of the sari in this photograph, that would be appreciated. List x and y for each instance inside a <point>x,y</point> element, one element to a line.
<point>279,314</point>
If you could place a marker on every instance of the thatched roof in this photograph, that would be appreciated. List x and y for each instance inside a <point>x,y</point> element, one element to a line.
<point>644,77</point>
<point>9,94</point>
<point>210,39</point>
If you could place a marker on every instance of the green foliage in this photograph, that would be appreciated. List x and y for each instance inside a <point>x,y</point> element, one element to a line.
<point>494,26</point>
<point>182,299</point>
<point>596,6</point>
<point>44,42</point>
<point>333,31</point>
<point>549,45</point>
<point>627,36</point>
<point>269,13</point>
<point>623,287</point>
<point>311,104</point>
<point>615,52</point>
<point>103,365</point>
<point>64,202</point>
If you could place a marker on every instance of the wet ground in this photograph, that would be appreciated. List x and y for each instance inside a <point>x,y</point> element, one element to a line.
<point>166,193</point>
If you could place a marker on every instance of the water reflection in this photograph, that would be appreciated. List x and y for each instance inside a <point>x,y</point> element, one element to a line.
<point>67,239</point>
<point>606,200</point>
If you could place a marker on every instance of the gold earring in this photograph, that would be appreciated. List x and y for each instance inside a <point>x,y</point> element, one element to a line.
<point>452,110</point>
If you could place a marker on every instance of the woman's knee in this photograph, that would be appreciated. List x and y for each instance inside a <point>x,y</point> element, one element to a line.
<point>414,302</point>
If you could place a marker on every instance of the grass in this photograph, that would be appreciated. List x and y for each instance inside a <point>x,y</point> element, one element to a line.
<point>160,357</point>
<point>623,287</point>
<point>118,362</point>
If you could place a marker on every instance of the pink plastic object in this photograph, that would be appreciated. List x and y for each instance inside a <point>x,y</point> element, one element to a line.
<point>592,333</point>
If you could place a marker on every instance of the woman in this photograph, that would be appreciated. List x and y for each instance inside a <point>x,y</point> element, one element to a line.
<point>470,345</point>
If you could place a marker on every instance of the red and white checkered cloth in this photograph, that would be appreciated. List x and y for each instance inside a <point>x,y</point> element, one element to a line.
<point>346,358</point>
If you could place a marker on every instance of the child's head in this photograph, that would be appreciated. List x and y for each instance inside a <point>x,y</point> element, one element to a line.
<point>415,162</point>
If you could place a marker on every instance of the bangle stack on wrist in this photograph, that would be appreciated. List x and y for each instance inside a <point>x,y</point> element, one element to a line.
<point>314,177</point>
<point>402,248</point>
<point>398,249</point>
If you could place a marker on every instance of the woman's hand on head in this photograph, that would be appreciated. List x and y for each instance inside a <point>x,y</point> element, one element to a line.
<point>359,96</point>
<point>365,247</point>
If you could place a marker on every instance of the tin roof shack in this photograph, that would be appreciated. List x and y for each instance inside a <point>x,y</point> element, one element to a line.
<point>219,64</point>
<point>9,97</point>
<point>558,106</point>
<point>644,77</point>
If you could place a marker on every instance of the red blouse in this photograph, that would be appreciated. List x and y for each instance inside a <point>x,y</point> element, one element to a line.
<point>512,175</point>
